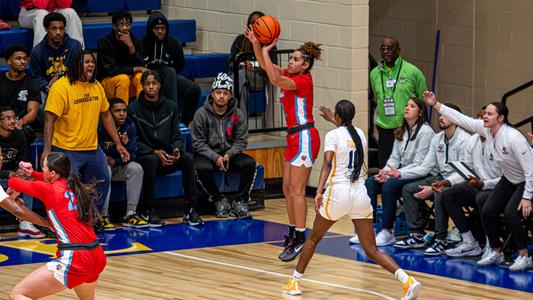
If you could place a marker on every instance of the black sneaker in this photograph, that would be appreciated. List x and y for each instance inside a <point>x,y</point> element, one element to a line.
<point>286,245</point>
<point>412,241</point>
<point>222,206</point>
<point>239,209</point>
<point>192,217</point>
<point>437,248</point>
<point>294,250</point>
<point>49,233</point>
<point>153,218</point>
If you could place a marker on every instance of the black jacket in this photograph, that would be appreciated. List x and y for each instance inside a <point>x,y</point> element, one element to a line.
<point>108,146</point>
<point>157,54</point>
<point>157,125</point>
<point>114,57</point>
<point>14,150</point>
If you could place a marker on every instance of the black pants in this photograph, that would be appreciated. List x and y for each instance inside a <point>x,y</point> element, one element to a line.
<point>179,88</point>
<point>385,143</point>
<point>152,168</point>
<point>241,163</point>
<point>505,197</point>
<point>463,195</point>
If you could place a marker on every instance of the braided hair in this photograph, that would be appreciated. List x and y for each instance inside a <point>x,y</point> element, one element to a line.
<point>345,110</point>
<point>75,70</point>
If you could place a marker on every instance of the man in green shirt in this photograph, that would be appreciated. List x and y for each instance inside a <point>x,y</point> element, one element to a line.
<point>394,81</point>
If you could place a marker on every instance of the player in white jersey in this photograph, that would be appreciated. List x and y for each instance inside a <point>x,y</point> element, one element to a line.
<point>345,195</point>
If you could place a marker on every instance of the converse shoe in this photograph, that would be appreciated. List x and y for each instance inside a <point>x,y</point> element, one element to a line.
<point>135,220</point>
<point>292,287</point>
<point>27,230</point>
<point>222,207</point>
<point>153,218</point>
<point>493,258</point>
<point>192,218</point>
<point>465,249</point>
<point>412,241</point>
<point>106,224</point>
<point>355,239</point>
<point>294,250</point>
<point>411,288</point>
<point>521,263</point>
<point>385,238</point>
<point>438,247</point>
<point>239,209</point>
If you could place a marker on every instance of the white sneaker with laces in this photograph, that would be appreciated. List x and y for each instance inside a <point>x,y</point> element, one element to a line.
<point>27,230</point>
<point>494,258</point>
<point>385,238</point>
<point>355,239</point>
<point>521,263</point>
<point>465,249</point>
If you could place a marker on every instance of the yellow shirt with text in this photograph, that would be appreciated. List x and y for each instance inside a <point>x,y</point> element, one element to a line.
<point>78,108</point>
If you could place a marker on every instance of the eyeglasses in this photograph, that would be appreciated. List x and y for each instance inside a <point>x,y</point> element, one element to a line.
<point>387,48</point>
<point>10,118</point>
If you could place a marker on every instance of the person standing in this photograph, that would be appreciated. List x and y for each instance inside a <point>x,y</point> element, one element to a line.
<point>346,195</point>
<point>393,81</point>
<point>71,122</point>
<point>303,140</point>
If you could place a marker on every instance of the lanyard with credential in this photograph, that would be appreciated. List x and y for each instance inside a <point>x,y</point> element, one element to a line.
<point>395,82</point>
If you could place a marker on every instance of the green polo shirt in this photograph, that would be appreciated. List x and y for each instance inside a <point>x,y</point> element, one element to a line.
<point>411,83</point>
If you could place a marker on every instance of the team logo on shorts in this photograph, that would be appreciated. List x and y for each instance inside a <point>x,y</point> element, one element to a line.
<point>304,158</point>
<point>58,267</point>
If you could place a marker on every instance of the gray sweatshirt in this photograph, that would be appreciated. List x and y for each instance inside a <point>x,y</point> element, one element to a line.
<point>440,153</point>
<point>478,158</point>
<point>407,154</point>
<point>214,135</point>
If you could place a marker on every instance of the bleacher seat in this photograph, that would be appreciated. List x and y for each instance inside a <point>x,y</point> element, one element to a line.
<point>202,65</point>
<point>184,30</point>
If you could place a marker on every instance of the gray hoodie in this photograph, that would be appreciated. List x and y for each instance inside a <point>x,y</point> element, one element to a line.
<point>214,135</point>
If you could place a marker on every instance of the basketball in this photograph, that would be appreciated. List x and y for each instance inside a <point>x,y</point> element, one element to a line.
<point>266,29</point>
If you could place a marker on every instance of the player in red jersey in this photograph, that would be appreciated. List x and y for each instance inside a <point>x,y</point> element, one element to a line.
<point>71,209</point>
<point>303,141</point>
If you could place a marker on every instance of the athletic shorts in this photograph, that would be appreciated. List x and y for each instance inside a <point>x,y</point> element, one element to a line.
<point>302,147</point>
<point>75,267</point>
<point>346,199</point>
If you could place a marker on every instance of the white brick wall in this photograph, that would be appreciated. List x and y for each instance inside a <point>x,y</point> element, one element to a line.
<point>341,26</point>
<point>485,46</point>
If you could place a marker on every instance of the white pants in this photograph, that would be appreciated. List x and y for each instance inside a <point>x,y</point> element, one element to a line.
<point>33,19</point>
<point>341,199</point>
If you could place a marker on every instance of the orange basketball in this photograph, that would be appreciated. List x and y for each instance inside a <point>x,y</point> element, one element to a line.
<point>266,29</point>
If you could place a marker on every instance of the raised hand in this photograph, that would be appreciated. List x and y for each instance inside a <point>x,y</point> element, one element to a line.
<point>327,114</point>
<point>429,98</point>
<point>249,34</point>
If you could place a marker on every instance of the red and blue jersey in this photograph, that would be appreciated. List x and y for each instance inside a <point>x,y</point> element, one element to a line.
<point>61,207</point>
<point>298,103</point>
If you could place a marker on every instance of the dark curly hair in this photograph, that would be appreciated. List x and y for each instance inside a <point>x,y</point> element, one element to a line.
<point>310,51</point>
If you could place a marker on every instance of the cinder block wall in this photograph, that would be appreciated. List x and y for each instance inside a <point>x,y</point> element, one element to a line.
<point>485,51</point>
<point>341,26</point>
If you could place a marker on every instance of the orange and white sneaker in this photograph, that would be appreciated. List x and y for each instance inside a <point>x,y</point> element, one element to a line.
<point>411,289</point>
<point>292,287</point>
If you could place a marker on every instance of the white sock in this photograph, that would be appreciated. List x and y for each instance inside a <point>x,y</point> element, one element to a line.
<point>300,229</point>
<point>297,275</point>
<point>468,237</point>
<point>401,275</point>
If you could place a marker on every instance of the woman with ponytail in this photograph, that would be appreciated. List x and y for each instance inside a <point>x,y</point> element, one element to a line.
<point>344,150</point>
<point>70,206</point>
<point>303,141</point>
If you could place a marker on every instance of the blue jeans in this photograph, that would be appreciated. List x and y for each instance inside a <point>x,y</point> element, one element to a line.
<point>92,167</point>
<point>390,191</point>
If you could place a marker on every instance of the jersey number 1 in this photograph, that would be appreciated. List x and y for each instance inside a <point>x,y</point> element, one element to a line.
<point>353,159</point>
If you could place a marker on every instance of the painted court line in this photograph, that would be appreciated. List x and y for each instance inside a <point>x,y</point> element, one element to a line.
<point>277,274</point>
